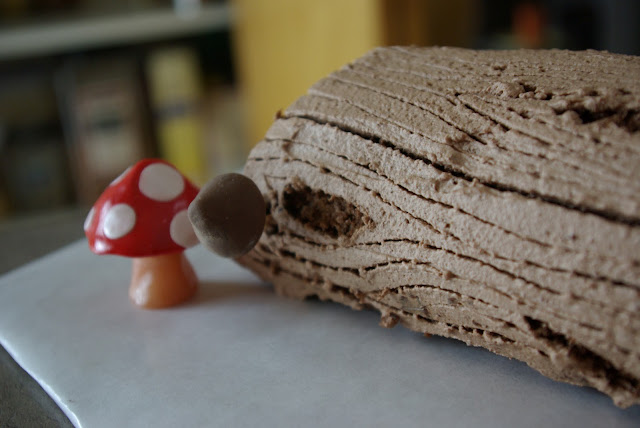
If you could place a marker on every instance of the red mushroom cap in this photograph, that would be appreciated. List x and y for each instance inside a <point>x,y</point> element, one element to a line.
<point>143,212</point>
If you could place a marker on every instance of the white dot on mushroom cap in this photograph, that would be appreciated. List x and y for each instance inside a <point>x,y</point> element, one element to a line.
<point>181,231</point>
<point>161,182</point>
<point>89,219</point>
<point>119,221</point>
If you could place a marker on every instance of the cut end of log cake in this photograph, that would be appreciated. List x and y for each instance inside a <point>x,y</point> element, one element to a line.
<point>487,196</point>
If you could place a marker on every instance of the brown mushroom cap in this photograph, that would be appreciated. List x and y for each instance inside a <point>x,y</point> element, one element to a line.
<point>228,215</point>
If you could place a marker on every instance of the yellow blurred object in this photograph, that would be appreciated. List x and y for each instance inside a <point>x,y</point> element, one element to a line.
<point>174,75</point>
<point>176,92</point>
<point>180,140</point>
<point>283,46</point>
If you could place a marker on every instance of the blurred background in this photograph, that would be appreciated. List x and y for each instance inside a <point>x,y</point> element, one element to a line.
<point>88,87</point>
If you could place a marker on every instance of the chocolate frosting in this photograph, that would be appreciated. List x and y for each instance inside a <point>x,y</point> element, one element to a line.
<point>487,196</point>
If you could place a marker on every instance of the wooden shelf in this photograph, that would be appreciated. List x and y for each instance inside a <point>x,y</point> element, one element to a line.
<point>80,33</point>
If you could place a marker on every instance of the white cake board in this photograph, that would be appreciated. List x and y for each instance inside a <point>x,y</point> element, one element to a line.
<point>241,356</point>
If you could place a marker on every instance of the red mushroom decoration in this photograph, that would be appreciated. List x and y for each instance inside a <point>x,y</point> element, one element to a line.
<point>143,214</point>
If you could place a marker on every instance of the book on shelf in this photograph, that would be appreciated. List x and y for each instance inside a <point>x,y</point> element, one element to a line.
<point>104,120</point>
<point>33,161</point>
<point>175,92</point>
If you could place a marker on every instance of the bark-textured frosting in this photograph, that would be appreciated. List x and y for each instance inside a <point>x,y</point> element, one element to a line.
<point>488,196</point>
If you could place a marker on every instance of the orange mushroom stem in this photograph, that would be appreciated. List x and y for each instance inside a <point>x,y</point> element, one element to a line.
<point>162,281</point>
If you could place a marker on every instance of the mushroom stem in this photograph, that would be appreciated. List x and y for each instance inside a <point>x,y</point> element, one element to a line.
<point>162,281</point>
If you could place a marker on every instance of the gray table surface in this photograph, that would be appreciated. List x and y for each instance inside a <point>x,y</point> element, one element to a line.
<point>23,403</point>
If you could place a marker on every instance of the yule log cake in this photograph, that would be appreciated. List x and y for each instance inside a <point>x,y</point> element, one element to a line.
<point>488,196</point>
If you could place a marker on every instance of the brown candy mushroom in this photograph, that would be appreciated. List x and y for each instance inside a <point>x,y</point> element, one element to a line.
<point>143,214</point>
<point>228,215</point>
